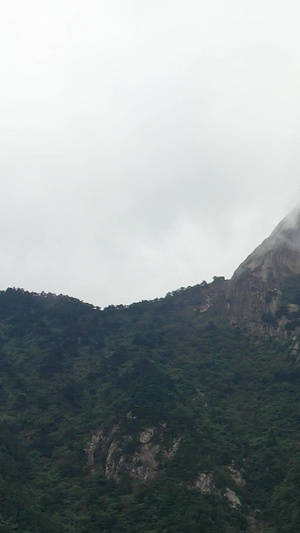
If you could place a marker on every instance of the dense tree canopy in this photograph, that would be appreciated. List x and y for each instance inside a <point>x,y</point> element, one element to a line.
<point>68,369</point>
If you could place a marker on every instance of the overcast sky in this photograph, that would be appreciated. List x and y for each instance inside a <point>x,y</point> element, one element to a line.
<point>145,144</point>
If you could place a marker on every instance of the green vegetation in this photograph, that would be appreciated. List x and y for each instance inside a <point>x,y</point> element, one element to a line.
<point>69,370</point>
<point>291,289</point>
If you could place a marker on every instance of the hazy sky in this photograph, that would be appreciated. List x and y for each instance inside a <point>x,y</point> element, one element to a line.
<point>145,144</point>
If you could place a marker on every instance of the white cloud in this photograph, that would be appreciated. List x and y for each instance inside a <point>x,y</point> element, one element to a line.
<point>144,145</point>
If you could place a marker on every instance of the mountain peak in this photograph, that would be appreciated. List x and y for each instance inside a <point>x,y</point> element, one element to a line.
<point>288,230</point>
<point>278,255</point>
<point>292,220</point>
<point>255,289</point>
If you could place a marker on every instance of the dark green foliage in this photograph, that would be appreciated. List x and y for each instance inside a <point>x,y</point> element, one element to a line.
<point>68,369</point>
<point>291,289</point>
<point>268,318</point>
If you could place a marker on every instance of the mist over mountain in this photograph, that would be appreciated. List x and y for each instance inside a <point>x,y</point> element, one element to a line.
<point>256,297</point>
<point>180,414</point>
<point>279,255</point>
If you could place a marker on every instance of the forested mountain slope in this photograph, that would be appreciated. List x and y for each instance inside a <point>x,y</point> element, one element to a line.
<point>146,418</point>
<point>177,415</point>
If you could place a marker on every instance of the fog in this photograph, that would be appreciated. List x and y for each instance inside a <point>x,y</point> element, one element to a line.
<point>145,145</point>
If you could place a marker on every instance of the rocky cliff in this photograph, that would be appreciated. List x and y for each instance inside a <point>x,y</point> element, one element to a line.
<point>157,416</point>
<point>278,256</point>
<point>254,298</point>
<point>255,289</point>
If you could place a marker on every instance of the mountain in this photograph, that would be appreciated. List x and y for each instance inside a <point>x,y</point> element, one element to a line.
<point>258,284</point>
<point>177,415</point>
<point>278,256</point>
<point>262,296</point>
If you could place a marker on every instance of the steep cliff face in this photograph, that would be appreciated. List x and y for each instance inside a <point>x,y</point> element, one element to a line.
<point>278,256</point>
<point>141,457</point>
<point>157,416</point>
<point>254,293</point>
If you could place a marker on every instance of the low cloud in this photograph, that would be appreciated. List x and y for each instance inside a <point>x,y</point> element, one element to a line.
<point>144,147</point>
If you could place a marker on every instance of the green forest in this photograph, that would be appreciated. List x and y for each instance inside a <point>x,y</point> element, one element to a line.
<point>87,393</point>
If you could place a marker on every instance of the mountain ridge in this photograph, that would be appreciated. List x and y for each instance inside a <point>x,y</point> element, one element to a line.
<point>280,252</point>
<point>253,297</point>
<point>175,415</point>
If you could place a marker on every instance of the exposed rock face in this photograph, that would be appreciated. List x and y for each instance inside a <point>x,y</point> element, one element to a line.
<point>254,525</point>
<point>208,302</point>
<point>119,454</point>
<point>236,476</point>
<point>278,256</point>
<point>234,501</point>
<point>142,464</point>
<point>205,484</point>
<point>92,446</point>
<point>254,287</point>
<point>146,436</point>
